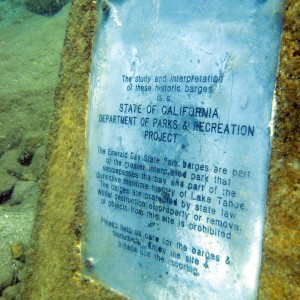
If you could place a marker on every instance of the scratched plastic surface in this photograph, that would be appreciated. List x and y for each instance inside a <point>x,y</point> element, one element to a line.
<point>177,167</point>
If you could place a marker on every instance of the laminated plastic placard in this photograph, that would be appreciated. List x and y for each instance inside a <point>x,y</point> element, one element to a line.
<point>179,126</point>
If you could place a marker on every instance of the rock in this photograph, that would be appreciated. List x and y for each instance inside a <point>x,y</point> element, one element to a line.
<point>30,142</point>
<point>45,7</point>
<point>17,251</point>
<point>105,6</point>
<point>11,292</point>
<point>9,163</point>
<point>38,162</point>
<point>26,162</point>
<point>6,274</point>
<point>20,271</point>
<point>24,190</point>
<point>7,183</point>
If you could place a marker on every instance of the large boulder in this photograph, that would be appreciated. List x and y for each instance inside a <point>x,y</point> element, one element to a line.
<point>45,7</point>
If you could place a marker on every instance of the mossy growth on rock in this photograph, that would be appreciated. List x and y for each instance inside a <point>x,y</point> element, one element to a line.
<point>45,7</point>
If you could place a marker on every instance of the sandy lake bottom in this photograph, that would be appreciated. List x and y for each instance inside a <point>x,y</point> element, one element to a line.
<point>30,48</point>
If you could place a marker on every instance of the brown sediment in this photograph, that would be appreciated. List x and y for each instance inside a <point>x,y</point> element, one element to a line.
<point>280,273</point>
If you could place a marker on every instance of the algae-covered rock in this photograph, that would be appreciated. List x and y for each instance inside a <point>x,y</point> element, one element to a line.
<point>7,271</point>
<point>17,250</point>
<point>24,163</point>
<point>12,292</point>
<point>24,190</point>
<point>31,141</point>
<point>38,162</point>
<point>11,169</point>
<point>45,7</point>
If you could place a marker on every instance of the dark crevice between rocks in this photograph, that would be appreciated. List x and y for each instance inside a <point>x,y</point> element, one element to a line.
<point>5,196</point>
<point>25,158</point>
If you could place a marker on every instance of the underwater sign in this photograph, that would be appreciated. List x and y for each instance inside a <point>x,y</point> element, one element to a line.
<point>178,146</point>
